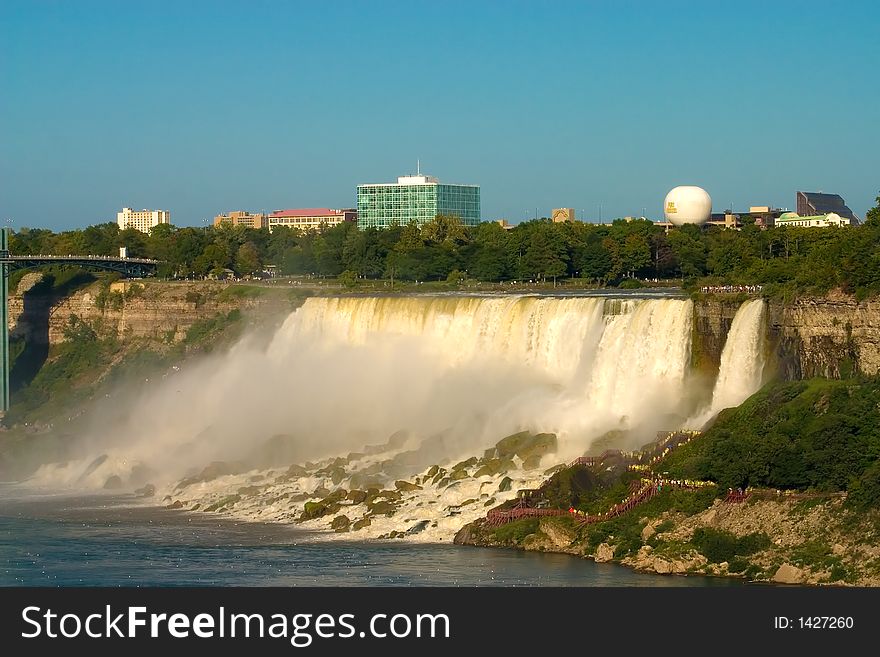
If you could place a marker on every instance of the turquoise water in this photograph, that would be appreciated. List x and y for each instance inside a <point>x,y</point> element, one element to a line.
<point>102,541</point>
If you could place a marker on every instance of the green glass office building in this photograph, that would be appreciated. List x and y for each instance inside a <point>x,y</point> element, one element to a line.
<point>416,198</point>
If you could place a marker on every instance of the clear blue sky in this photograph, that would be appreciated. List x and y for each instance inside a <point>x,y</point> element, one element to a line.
<point>200,107</point>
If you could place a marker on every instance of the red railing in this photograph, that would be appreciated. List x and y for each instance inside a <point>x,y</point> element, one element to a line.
<point>496,518</point>
<point>736,496</point>
<point>588,461</point>
<point>640,492</point>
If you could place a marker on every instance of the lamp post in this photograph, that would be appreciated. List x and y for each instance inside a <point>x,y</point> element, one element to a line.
<point>4,318</point>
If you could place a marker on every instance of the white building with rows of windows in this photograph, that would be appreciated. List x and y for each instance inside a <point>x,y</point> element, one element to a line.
<point>142,220</point>
<point>832,219</point>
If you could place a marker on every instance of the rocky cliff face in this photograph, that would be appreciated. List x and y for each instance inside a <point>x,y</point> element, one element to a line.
<point>835,336</point>
<point>712,320</point>
<point>155,311</point>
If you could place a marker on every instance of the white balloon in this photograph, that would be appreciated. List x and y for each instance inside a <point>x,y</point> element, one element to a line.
<point>687,205</point>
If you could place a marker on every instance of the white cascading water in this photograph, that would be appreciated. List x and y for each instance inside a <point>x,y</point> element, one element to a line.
<point>587,365</point>
<point>742,359</point>
<point>344,372</point>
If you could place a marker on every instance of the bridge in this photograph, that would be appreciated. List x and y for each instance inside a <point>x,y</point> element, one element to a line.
<point>127,267</point>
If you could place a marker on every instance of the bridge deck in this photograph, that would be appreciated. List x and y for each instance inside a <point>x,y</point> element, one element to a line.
<point>76,258</point>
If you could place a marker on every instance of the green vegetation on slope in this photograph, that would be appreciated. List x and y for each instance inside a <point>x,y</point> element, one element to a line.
<point>626,529</point>
<point>64,379</point>
<point>56,283</point>
<point>819,434</point>
<point>86,359</point>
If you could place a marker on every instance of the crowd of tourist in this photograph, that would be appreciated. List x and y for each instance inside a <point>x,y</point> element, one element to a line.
<point>731,289</point>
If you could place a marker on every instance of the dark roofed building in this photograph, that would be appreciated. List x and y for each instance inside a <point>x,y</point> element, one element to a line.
<point>816,203</point>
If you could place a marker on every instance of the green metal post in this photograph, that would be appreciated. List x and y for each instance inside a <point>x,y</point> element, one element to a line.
<point>4,321</point>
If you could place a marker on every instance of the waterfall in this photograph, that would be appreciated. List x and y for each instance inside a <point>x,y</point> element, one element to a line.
<point>742,360</point>
<point>343,372</point>
<point>579,367</point>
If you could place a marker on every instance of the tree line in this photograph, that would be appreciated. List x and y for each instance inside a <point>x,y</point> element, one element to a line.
<point>804,259</point>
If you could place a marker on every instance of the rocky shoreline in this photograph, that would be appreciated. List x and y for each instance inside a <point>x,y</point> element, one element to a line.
<point>398,490</point>
<point>795,541</point>
<point>389,492</point>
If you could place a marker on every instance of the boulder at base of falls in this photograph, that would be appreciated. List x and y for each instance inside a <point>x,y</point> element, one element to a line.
<point>314,510</point>
<point>525,444</point>
<point>296,470</point>
<point>225,502</point>
<point>357,496</point>
<point>340,523</point>
<point>388,494</point>
<point>604,553</point>
<point>360,524</point>
<point>492,467</point>
<point>382,508</point>
<point>420,526</point>
<point>336,496</point>
<point>393,534</point>
<point>145,491</point>
<point>505,485</point>
<point>788,574</point>
<point>465,464</point>
<point>113,482</point>
<point>406,486</point>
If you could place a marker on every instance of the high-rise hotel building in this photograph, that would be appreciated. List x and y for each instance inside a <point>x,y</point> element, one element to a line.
<point>416,198</point>
<point>142,220</point>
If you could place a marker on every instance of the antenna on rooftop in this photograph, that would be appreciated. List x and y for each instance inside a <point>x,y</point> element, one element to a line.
<point>418,167</point>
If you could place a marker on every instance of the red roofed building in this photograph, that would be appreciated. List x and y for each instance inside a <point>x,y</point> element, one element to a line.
<point>311,218</point>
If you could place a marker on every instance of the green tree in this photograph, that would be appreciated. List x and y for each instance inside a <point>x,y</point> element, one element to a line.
<point>545,256</point>
<point>213,259</point>
<point>187,246</point>
<point>488,263</point>
<point>329,247</point>
<point>363,254</point>
<point>348,278</point>
<point>100,239</point>
<point>134,241</point>
<point>689,250</point>
<point>247,260</point>
<point>872,217</point>
<point>445,228</point>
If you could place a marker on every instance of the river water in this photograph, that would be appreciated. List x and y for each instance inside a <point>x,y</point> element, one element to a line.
<point>55,540</point>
